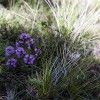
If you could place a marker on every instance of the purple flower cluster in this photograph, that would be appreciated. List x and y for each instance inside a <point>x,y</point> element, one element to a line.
<point>9,51</point>
<point>30,43</point>
<point>37,52</point>
<point>20,52</point>
<point>11,62</point>
<point>24,39</point>
<point>29,59</point>
<point>19,43</point>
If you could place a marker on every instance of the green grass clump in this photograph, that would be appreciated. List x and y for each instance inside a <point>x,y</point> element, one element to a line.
<point>61,78</point>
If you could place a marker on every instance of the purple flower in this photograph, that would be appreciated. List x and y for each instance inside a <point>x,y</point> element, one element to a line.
<point>37,52</point>
<point>30,43</point>
<point>9,50</point>
<point>20,52</point>
<point>29,59</point>
<point>11,62</point>
<point>19,43</point>
<point>24,37</point>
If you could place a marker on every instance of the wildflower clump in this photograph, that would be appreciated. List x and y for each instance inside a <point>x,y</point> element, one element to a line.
<point>24,51</point>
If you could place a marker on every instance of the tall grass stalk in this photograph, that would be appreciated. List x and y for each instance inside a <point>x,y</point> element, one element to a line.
<point>75,16</point>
